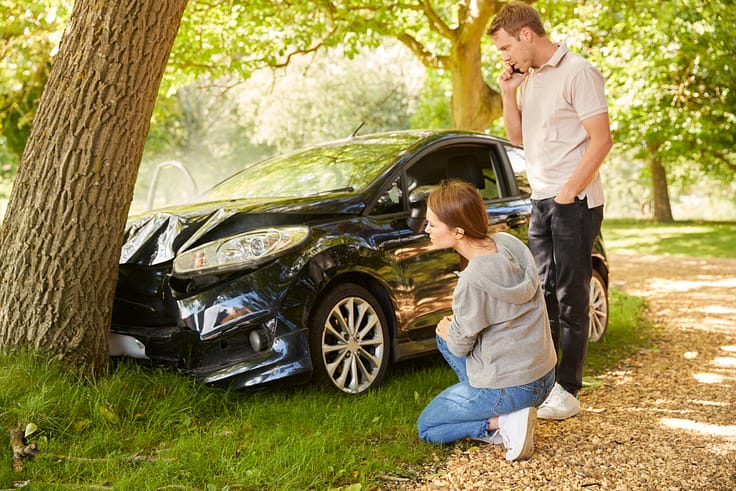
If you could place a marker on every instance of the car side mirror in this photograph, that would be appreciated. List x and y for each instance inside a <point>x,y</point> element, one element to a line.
<point>418,207</point>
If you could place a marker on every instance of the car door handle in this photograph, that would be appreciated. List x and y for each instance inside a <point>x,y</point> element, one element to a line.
<point>516,221</point>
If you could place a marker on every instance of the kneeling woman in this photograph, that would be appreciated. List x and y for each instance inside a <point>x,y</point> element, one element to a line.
<point>498,339</point>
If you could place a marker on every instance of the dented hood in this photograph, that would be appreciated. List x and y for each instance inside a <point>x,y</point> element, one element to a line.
<point>156,237</point>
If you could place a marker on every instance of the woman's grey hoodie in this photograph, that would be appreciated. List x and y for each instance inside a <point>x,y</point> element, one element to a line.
<point>500,320</point>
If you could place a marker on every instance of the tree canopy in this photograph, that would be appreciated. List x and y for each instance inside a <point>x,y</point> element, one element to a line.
<point>671,74</point>
<point>29,37</point>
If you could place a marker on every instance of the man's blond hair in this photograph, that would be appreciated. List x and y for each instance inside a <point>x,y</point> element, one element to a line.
<point>514,16</point>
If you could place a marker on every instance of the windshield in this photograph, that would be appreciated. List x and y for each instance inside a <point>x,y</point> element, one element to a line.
<point>345,166</point>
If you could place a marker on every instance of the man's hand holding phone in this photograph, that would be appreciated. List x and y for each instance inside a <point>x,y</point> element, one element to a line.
<point>510,77</point>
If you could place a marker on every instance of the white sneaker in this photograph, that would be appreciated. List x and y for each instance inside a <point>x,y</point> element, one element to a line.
<point>495,438</point>
<point>560,404</point>
<point>517,431</point>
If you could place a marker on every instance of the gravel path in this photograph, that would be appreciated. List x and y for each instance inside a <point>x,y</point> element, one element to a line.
<point>664,419</point>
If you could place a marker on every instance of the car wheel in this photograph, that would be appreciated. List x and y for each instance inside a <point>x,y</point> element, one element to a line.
<point>349,340</point>
<point>598,307</point>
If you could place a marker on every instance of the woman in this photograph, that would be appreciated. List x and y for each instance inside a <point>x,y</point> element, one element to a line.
<point>498,339</point>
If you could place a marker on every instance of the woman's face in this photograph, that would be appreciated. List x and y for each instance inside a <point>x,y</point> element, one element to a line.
<point>440,234</point>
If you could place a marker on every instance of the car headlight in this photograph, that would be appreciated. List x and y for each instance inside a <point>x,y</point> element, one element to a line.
<point>241,251</point>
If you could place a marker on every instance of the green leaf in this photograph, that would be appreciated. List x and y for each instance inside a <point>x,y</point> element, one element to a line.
<point>31,428</point>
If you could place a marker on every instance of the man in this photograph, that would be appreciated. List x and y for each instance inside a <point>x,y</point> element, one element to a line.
<point>554,104</point>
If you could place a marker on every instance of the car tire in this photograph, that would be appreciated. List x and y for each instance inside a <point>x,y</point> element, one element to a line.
<point>598,308</point>
<point>349,340</point>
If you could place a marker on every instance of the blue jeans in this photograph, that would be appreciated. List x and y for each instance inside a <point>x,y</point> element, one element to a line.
<point>561,240</point>
<point>462,410</point>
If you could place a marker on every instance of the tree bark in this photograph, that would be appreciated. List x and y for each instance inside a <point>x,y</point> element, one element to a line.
<point>662,208</point>
<point>474,105</point>
<point>62,233</point>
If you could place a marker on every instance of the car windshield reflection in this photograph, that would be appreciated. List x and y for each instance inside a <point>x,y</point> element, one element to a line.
<point>334,168</point>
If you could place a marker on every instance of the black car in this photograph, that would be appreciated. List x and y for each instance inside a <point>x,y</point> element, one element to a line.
<point>314,263</point>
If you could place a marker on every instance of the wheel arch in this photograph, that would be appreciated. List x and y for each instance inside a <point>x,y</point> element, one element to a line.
<point>375,286</point>
<point>601,265</point>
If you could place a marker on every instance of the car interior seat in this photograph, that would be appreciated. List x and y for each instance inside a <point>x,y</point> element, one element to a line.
<point>466,167</point>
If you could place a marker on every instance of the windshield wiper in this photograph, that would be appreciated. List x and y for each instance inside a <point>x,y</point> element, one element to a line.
<point>346,189</point>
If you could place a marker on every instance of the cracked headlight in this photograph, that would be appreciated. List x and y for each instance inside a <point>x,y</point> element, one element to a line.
<point>241,251</point>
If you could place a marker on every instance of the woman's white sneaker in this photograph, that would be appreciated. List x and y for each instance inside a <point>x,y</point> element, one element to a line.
<point>517,430</point>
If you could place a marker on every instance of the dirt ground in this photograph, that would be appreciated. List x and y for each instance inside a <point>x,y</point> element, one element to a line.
<point>664,419</point>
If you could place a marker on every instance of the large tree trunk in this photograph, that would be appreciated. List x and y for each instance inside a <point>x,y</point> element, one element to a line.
<point>61,237</point>
<point>474,105</point>
<point>662,208</point>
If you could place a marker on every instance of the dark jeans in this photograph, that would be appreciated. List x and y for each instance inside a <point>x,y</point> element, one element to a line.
<point>561,239</point>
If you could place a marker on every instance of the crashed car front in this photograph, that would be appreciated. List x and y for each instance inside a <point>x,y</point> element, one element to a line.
<point>228,310</point>
<point>249,326</point>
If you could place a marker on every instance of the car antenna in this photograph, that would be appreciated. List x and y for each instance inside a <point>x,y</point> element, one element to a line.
<point>375,106</point>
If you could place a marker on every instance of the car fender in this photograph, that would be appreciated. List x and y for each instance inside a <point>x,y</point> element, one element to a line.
<point>339,264</point>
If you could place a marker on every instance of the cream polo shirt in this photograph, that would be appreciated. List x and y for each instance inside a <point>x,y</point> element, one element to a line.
<point>554,100</point>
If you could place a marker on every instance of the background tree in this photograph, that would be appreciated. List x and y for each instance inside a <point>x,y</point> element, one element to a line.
<point>671,72</point>
<point>240,36</point>
<point>62,233</point>
<point>29,36</point>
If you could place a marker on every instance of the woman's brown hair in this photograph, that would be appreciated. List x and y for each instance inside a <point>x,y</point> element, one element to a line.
<point>458,203</point>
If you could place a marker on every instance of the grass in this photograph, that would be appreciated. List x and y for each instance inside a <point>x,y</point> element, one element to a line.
<point>628,332</point>
<point>140,429</point>
<point>690,238</point>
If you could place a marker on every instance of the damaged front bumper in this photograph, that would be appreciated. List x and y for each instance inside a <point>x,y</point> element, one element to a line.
<point>242,332</point>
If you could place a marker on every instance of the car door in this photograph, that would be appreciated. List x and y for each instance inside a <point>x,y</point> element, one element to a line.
<point>431,274</point>
<point>425,277</point>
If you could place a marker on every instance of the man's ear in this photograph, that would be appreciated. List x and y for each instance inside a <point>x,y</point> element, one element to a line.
<point>526,34</point>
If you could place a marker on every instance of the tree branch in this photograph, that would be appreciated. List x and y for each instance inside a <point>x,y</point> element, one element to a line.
<point>723,157</point>
<point>435,21</point>
<point>429,59</point>
<point>21,450</point>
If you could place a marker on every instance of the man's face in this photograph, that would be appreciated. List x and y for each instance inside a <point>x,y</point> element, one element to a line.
<point>515,52</point>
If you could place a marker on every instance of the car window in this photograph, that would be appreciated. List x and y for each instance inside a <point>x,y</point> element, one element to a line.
<point>472,164</point>
<point>490,191</point>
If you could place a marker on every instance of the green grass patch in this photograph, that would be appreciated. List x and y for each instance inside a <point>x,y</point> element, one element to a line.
<point>139,429</point>
<point>690,238</point>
